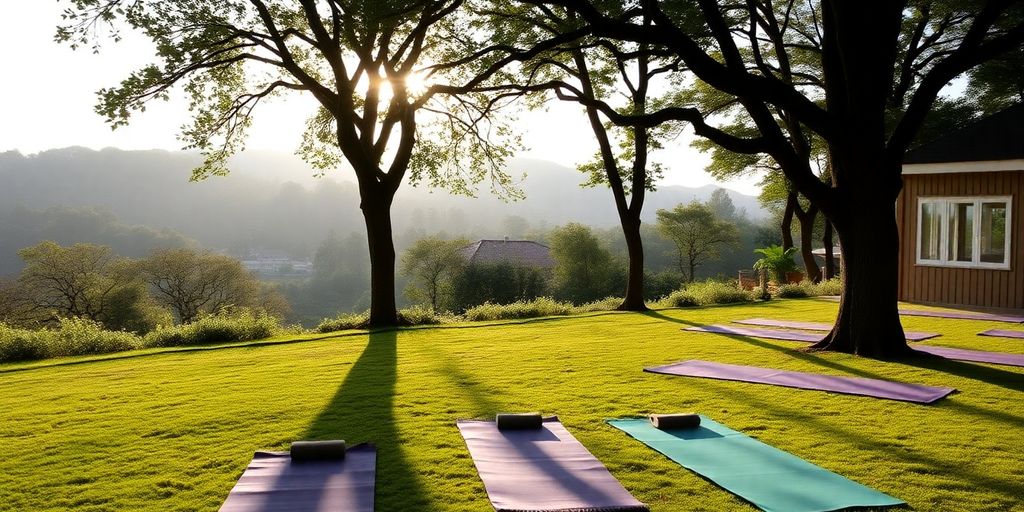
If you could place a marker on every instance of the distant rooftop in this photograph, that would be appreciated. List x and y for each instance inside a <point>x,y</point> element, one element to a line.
<point>999,136</point>
<point>517,252</point>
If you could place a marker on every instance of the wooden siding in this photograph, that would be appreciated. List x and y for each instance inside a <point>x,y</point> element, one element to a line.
<point>971,287</point>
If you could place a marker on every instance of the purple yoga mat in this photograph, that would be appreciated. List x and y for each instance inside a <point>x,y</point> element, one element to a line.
<point>848,385</point>
<point>758,333</point>
<point>974,356</point>
<point>545,469</point>
<point>818,326</point>
<point>963,315</point>
<point>272,483</point>
<point>1002,333</point>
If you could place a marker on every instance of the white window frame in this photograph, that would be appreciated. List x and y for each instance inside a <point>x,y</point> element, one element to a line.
<point>975,262</point>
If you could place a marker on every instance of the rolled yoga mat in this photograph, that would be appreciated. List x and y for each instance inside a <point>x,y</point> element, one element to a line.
<point>304,451</point>
<point>274,483</point>
<point>1002,333</point>
<point>765,476</point>
<point>520,421</point>
<point>817,326</point>
<point>545,469</point>
<point>674,421</point>
<point>963,315</point>
<point>847,385</point>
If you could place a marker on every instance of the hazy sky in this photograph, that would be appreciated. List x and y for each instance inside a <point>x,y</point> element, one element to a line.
<point>48,95</point>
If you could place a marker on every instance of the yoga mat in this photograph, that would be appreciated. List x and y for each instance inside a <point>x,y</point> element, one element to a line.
<point>974,356</point>
<point>1002,333</point>
<point>273,483</point>
<point>758,333</point>
<point>818,326</point>
<point>847,385</point>
<point>767,477</point>
<point>963,315</point>
<point>542,470</point>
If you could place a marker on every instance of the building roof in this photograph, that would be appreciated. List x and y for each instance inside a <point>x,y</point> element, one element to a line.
<point>999,136</point>
<point>517,252</point>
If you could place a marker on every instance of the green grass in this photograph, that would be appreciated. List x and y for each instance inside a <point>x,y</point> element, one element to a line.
<point>172,429</point>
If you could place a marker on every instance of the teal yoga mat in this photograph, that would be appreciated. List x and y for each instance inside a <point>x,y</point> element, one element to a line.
<point>767,477</point>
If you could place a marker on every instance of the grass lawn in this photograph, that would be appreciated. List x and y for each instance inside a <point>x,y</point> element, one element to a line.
<point>173,429</point>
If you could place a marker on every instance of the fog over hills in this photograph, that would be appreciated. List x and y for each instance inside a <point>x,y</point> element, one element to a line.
<point>273,200</point>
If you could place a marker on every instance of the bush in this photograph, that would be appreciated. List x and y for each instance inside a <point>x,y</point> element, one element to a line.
<point>423,315</point>
<point>344,322</point>
<point>706,293</point>
<point>832,286</point>
<point>72,337</point>
<point>795,291</point>
<point>605,304</point>
<point>241,325</point>
<point>543,306</point>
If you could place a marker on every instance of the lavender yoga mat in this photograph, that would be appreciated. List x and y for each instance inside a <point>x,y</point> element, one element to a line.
<point>963,315</point>
<point>1002,333</point>
<point>848,385</point>
<point>545,469</point>
<point>758,333</point>
<point>974,356</point>
<point>818,326</point>
<point>272,482</point>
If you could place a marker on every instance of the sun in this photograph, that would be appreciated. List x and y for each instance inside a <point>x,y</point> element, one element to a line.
<point>416,83</point>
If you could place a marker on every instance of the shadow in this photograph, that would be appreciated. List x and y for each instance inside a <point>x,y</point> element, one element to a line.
<point>1007,487</point>
<point>363,409</point>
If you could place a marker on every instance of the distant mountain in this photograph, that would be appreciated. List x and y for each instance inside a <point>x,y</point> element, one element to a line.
<point>272,200</point>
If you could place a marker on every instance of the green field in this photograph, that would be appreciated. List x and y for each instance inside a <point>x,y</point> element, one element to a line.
<point>173,429</point>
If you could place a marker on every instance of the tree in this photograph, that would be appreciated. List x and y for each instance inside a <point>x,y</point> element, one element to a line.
<point>432,263</point>
<point>584,270</point>
<point>882,66</point>
<point>76,281</point>
<point>191,283</point>
<point>698,235</point>
<point>357,60</point>
<point>721,205</point>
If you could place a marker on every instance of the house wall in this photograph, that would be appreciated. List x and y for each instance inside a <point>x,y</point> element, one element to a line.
<point>981,288</point>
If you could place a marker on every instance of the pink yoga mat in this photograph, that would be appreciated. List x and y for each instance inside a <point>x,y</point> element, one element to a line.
<point>847,385</point>
<point>1003,333</point>
<point>818,326</point>
<point>273,483</point>
<point>544,469</point>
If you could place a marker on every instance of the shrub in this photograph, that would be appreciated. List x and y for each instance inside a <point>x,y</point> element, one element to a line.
<point>605,304</point>
<point>704,294</point>
<point>240,325</point>
<point>795,291</point>
<point>543,306</point>
<point>72,337</point>
<point>20,344</point>
<point>678,299</point>
<point>832,286</point>
<point>423,315</point>
<point>343,322</point>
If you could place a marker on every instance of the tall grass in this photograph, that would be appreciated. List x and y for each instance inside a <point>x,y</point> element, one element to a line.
<point>706,293</point>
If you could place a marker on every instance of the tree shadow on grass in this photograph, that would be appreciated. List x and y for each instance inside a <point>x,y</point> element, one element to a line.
<point>363,409</point>
<point>994,376</point>
<point>1005,486</point>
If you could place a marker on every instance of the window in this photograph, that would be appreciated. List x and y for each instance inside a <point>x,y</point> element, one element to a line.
<point>964,232</point>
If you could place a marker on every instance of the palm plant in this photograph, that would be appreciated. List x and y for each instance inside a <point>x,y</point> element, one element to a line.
<point>776,261</point>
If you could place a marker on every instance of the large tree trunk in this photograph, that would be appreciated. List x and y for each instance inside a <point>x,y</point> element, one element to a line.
<point>868,323</point>
<point>634,300</point>
<point>376,208</point>
<point>807,242</point>
<point>826,239</point>
<point>787,220</point>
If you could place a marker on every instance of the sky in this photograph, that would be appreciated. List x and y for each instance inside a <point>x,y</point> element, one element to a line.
<point>48,96</point>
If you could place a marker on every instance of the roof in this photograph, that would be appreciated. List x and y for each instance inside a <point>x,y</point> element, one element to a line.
<point>518,252</point>
<point>999,136</point>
